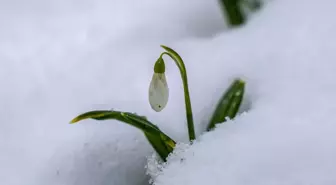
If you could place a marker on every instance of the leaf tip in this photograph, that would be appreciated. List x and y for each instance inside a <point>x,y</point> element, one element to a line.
<point>75,120</point>
<point>165,47</point>
<point>240,81</point>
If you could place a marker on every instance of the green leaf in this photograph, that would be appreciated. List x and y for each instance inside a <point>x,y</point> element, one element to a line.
<point>229,104</point>
<point>162,143</point>
<point>126,117</point>
<point>233,12</point>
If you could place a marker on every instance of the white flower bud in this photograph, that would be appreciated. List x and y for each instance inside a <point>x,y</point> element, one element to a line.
<point>158,92</point>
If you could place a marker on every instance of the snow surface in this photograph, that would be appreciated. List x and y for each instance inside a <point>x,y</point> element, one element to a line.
<point>60,58</point>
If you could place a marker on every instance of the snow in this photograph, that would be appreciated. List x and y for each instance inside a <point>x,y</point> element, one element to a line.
<point>61,58</point>
<point>287,134</point>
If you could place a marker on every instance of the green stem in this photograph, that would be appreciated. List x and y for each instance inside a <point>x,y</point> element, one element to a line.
<point>180,64</point>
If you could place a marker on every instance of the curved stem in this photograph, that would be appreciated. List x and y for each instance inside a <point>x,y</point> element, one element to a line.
<point>180,64</point>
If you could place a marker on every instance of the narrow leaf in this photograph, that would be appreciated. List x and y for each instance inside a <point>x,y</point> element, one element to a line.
<point>162,143</point>
<point>233,12</point>
<point>126,117</point>
<point>229,104</point>
<point>168,142</point>
<point>98,115</point>
<point>235,100</point>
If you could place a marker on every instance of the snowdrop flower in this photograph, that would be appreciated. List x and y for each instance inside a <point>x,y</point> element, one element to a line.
<point>158,88</point>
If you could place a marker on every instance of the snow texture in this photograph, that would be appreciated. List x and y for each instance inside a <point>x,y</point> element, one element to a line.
<point>60,58</point>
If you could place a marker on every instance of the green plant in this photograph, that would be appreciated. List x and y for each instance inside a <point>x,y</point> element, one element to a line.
<point>159,69</point>
<point>233,10</point>
<point>158,97</point>
<point>162,143</point>
<point>229,104</point>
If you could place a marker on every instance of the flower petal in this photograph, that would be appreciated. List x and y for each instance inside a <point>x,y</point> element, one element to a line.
<point>158,92</point>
